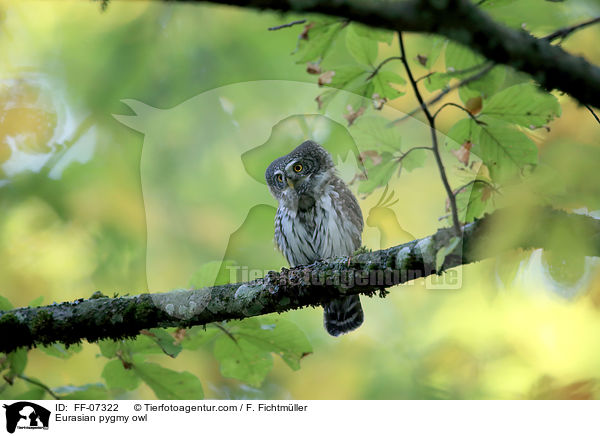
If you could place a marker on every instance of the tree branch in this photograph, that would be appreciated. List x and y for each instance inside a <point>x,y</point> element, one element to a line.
<point>39,385</point>
<point>446,91</point>
<point>566,31</point>
<point>376,70</point>
<point>463,22</point>
<point>400,158</point>
<point>311,285</point>
<point>286,25</point>
<point>593,113</point>
<point>434,141</point>
<point>462,108</point>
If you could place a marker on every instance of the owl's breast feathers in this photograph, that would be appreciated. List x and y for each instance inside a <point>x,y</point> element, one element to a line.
<point>323,225</point>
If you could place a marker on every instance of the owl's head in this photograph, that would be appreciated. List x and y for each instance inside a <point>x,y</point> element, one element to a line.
<point>305,171</point>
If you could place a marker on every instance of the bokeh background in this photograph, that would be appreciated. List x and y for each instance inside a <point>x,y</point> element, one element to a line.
<point>131,146</point>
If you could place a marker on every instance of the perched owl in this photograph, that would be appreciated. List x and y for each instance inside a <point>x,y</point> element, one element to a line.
<point>318,217</point>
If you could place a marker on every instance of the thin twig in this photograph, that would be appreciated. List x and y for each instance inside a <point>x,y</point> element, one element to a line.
<point>434,141</point>
<point>592,112</point>
<point>566,31</point>
<point>464,109</point>
<point>39,384</point>
<point>376,70</point>
<point>446,91</point>
<point>400,158</point>
<point>472,182</point>
<point>283,26</point>
<point>227,332</point>
<point>425,76</point>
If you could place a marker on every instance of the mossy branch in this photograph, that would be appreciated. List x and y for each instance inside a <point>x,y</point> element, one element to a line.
<point>367,273</point>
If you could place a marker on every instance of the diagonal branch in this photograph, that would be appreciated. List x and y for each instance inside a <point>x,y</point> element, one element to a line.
<point>486,69</point>
<point>310,285</point>
<point>434,140</point>
<point>465,23</point>
<point>566,31</point>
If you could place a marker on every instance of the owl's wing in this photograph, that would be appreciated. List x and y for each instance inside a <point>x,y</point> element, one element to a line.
<point>348,205</point>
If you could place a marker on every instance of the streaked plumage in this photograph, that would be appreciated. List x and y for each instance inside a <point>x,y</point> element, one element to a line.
<point>318,217</point>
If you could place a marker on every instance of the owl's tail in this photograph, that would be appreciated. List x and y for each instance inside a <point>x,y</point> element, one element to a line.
<point>343,315</point>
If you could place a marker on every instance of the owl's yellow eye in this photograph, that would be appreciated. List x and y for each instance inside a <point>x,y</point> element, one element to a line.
<point>298,168</point>
<point>279,178</point>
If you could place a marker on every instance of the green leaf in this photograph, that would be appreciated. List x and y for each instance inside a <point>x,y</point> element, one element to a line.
<point>155,340</point>
<point>92,391</point>
<point>566,269</point>
<point>60,351</point>
<point>17,361</point>
<point>320,39</point>
<point>168,384</point>
<point>117,377</point>
<point>108,347</point>
<point>243,360</point>
<point>415,159</point>
<point>465,93</point>
<point>435,46</point>
<point>373,33</point>
<point>344,77</point>
<point>364,50</point>
<point>461,132</point>
<point>381,85</point>
<point>490,4</point>
<point>35,393</point>
<point>5,303</point>
<point>503,149</point>
<point>437,81</point>
<point>325,98</point>
<point>461,62</point>
<point>489,84</point>
<point>374,133</point>
<point>275,335</point>
<point>473,202</point>
<point>440,256</point>
<point>523,104</point>
<point>378,174</point>
<point>460,57</point>
<point>507,265</point>
<point>197,337</point>
<point>36,301</point>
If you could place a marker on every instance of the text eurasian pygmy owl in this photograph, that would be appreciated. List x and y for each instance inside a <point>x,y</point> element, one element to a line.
<point>318,217</point>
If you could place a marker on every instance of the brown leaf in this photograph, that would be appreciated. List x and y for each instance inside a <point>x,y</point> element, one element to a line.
<point>179,335</point>
<point>313,68</point>
<point>304,33</point>
<point>370,154</point>
<point>352,115</point>
<point>378,102</point>
<point>463,153</point>
<point>548,388</point>
<point>486,193</point>
<point>422,59</point>
<point>326,77</point>
<point>474,105</point>
<point>319,101</point>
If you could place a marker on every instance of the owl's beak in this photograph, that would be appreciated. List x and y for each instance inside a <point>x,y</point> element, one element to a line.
<point>290,182</point>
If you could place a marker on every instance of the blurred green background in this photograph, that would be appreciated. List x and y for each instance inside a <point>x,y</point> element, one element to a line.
<point>140,201</point>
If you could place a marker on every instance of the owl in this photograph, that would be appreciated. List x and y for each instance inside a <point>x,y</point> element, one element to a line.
<point>318,217</point>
